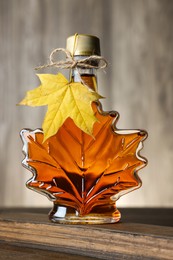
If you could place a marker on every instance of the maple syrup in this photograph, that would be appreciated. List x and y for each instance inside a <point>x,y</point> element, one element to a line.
<point>85,175</point>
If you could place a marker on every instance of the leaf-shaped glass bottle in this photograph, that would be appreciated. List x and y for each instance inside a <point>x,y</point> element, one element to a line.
<point>85,175</point>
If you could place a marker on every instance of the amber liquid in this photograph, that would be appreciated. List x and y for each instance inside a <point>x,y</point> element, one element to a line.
<point>85,174</point>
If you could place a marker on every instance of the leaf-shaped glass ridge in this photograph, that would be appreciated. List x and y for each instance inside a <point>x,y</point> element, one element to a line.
<point>77,170</point>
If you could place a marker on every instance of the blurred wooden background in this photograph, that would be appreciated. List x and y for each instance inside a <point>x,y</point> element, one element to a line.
<point>137,40</point>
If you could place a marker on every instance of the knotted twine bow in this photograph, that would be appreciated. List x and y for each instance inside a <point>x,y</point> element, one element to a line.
<point>93,61</point>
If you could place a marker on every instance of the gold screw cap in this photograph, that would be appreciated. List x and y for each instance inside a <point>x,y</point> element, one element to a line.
<point>83,44</point>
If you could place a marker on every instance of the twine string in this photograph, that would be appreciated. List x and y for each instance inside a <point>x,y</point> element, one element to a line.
<point>93,61</point>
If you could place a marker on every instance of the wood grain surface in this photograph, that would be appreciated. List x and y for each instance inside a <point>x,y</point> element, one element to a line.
<point>114,241</point>
<point>136,39</point>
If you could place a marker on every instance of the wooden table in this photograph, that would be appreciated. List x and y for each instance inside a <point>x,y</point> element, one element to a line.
<point>141,234</point>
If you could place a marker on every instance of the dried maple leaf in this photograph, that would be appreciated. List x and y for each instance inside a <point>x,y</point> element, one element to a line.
<point>64,100</point>
<point>75,170</point>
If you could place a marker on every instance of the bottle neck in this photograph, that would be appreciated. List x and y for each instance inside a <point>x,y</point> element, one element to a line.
<point>85,75</point>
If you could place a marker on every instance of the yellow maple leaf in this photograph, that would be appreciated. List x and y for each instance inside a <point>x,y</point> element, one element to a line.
<point>64,99</point>
<point>45,93</point>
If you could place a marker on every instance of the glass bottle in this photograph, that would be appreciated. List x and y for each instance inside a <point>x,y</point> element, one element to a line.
<point>85,175</point>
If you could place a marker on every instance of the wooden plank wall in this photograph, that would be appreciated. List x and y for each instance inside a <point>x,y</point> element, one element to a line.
<point>137,40</point>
